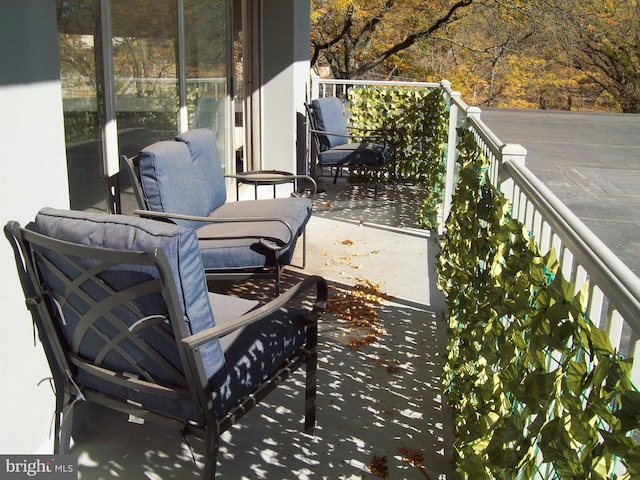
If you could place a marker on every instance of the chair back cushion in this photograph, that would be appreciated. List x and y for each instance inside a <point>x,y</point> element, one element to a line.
<point>206,163</point>
<point>92,331</point>
<point>329,117</point>
<point>171,184</point>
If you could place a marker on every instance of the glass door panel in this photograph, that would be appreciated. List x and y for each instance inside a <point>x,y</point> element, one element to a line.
<point>206,52</point>
<point>80,50</point>
<point>145,70</point>
<point>145,79</point>
<point>134,72</point>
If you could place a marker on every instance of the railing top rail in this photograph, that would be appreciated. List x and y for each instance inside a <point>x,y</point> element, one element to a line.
<point>453,96</point>
<point>488,137</point>
<point>376,83</point>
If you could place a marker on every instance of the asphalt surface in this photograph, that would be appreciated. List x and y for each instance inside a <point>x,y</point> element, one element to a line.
<point>590,161</point>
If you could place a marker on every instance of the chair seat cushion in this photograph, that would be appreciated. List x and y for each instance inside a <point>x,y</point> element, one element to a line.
<point>254,351</point>
<point>250,355</point>
<point>246,252</point>
<point>365,153</point>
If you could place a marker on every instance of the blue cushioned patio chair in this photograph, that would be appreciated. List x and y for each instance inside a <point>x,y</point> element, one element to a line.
<point>125,319</point>
<point>335,148</point>
<point>182,181</point>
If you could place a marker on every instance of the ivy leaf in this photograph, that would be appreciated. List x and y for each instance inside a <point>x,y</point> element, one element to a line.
<point>601,372</point>
<point>601,466</point>
<point>576,375</point>
<point>557,448</point>
<point>600,342</point>
<point>629,412</point>
<point>624,447</point>
<point>537,389</point>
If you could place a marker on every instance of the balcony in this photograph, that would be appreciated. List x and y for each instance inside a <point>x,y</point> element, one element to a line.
<point>383,383</point>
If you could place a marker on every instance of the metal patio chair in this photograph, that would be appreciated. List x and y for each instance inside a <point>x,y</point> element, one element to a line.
<point>182,181</point>
<point>335,148</point>
<point>123,313</point>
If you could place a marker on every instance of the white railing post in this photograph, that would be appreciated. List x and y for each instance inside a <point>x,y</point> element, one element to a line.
<point>634,351</point>
<point>315,87</point>
<point>452,142</point>
<point>510,152</point>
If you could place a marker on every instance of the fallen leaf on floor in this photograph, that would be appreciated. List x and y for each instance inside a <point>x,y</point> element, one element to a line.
<point>379,467</point>
<point>359,307</point>
<point>414,457</point>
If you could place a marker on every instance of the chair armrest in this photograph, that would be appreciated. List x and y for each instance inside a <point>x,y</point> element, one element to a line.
<point>196,218</point>
<point>372,133</point>
<point>359,137</point>
<point>196,340</point>
<point>322,132</point>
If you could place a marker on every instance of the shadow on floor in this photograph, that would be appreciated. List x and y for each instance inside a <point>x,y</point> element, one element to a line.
<point>377,404</point>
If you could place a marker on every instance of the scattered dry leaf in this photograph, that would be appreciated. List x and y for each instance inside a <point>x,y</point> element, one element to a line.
<point>379,467</point>
<point>368,339</point>
<point>393,369</point>
<point>347,242</point>
<point>358,306</point>
<point>414,457</point>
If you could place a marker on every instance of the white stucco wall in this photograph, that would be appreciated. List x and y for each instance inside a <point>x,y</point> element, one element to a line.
<point>33,175</point>
<point>285,78</point>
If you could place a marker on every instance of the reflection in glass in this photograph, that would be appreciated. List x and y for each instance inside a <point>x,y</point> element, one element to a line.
<point>82,86</point>
<point>145,39</point>
<point>133,81</point>
<point>206,65</point>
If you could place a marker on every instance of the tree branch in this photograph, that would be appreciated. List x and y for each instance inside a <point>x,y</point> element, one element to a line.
<point>317,48</point>
<point>413,38</point>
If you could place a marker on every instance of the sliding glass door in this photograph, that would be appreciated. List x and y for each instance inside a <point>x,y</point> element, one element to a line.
<point>134,72</point>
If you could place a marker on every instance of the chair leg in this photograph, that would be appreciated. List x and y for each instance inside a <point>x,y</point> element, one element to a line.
<point>278,278</point>
<point>65,431</point>
<point>304,248</point>
<point>64,423</point>
<point>211,455</point>
<point>311,379</point>
<point>58,424</point>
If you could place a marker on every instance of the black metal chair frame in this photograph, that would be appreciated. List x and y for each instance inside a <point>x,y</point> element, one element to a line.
<point>336,170</point>
<point>193,384</point>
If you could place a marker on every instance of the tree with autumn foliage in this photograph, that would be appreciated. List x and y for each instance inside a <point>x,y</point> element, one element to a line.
<point>561,54</point>
<point>356,38</point>
<point>600,39</point>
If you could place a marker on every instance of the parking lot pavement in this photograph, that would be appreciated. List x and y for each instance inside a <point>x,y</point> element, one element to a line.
<point>590,161</point>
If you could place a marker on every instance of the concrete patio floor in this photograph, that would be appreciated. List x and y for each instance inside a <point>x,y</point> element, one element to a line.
<point>375,403</point>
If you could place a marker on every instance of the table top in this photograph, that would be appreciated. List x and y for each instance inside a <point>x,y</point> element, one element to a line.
<point>264,177</point>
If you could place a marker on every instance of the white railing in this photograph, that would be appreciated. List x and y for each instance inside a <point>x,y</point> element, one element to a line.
<point>614,290</point>
<point>338,88</point>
